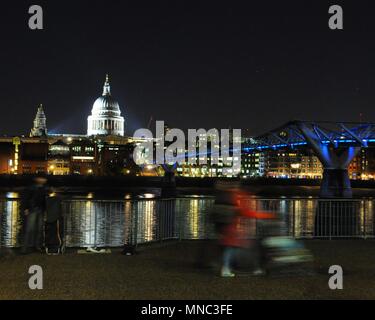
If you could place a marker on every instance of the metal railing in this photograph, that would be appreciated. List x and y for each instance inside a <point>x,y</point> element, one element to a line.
<point>309,218</point>
<point>115,223</point>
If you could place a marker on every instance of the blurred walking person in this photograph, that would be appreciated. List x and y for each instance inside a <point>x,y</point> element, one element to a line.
<point>34,206</point>
<point>227,216</point>
<point>224,217</point>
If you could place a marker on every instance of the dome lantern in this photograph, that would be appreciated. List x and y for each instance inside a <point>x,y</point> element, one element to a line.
<point>107,87</point>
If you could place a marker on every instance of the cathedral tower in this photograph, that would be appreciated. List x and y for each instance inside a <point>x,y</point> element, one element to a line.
<point>40,124</point>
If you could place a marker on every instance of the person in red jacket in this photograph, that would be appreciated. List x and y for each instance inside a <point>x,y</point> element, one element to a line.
<point>232,237</point>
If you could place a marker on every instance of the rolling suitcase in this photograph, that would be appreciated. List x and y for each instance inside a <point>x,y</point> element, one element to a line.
<point>54,237</point>
<point>54,227</point>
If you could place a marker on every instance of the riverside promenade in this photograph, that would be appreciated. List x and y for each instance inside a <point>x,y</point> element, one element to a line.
<point>169,271</point>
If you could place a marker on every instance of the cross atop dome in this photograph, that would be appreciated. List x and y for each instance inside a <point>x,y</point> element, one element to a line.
<point>107,87</point>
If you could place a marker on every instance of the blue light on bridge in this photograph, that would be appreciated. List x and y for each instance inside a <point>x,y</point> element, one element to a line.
<point>303,143</point>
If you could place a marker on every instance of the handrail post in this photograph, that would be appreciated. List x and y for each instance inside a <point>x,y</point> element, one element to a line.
<point>159,213</point>
<point>135,215</point>
<point>1,222</point>
<point>95,226</point>
<point>294,219</point>
<point>179,224</point>
<point>364,219</point>
<point>330,220</point>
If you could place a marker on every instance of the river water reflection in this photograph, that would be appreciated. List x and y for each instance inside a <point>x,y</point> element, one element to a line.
<point>94,222</point>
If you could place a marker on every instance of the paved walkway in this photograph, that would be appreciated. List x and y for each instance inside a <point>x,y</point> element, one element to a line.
<point>169,272</point>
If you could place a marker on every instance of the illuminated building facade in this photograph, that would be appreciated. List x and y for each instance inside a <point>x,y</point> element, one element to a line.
<point>116,159</point>
<point>33,157</point>
<point>7,157</point>
<point>251,165</point>
<point>59,158</point>
<point>363,165</point>
<point>83,157</point>
<point>23,155</point>
<point>201,168</point>
<point>294,165</point>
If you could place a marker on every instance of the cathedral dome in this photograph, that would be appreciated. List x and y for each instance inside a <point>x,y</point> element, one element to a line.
<point>106,105</point>
<point>105,116</point>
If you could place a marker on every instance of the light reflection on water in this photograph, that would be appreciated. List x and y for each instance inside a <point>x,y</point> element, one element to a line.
<point>92,222</point>
<point>194,218</point>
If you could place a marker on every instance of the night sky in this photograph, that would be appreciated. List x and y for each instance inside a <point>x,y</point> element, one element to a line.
<point>191,63</point>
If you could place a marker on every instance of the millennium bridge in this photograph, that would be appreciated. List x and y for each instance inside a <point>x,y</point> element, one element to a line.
<point>334,143</point>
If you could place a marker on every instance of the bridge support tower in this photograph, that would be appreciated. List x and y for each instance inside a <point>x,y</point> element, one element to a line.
<point>335,161</point>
